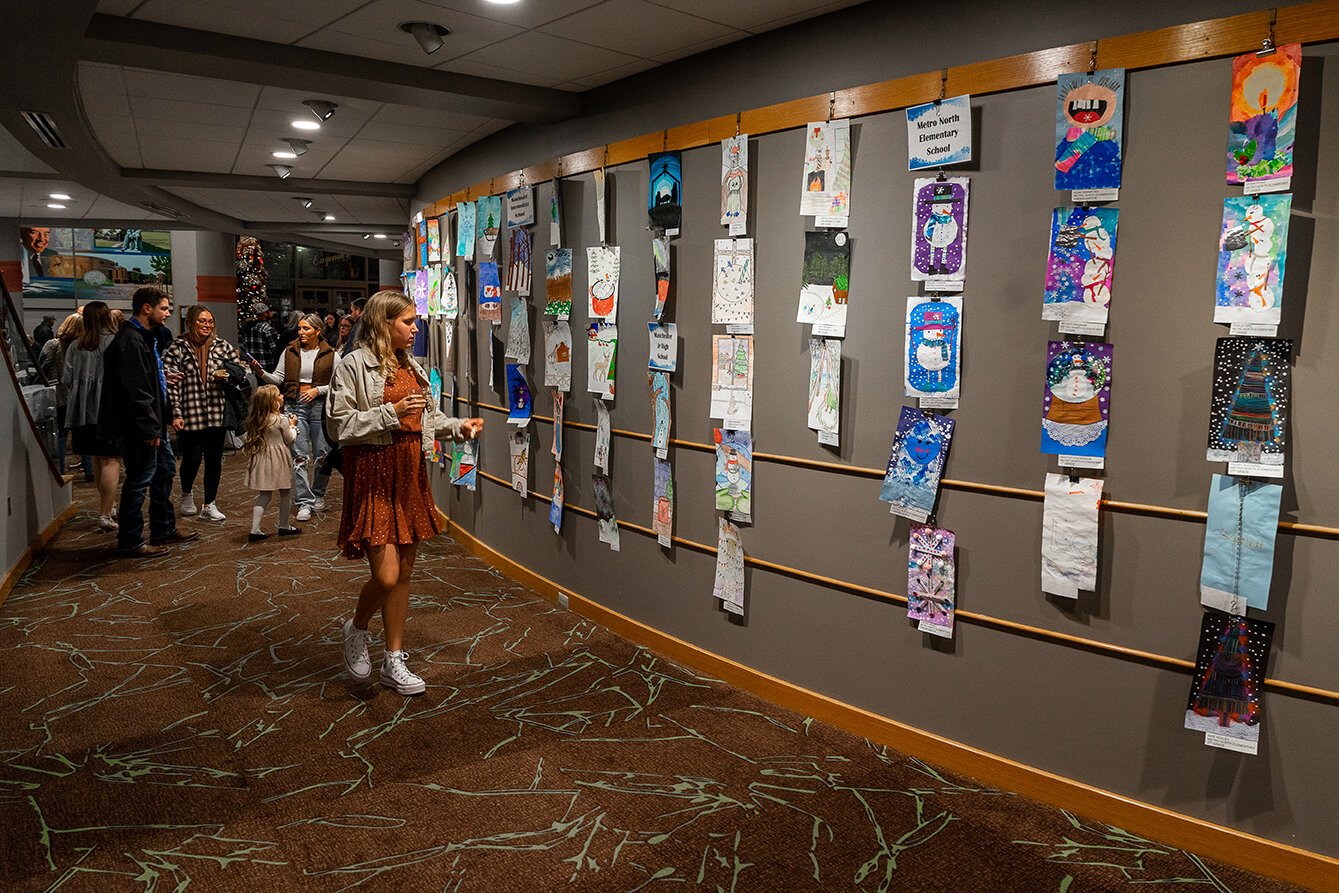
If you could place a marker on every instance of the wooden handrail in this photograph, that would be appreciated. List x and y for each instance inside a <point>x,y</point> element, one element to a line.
<point>974,617</point>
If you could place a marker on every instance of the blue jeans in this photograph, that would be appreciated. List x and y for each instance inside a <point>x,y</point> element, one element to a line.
<point>148,469</point>
<point>309,483</point>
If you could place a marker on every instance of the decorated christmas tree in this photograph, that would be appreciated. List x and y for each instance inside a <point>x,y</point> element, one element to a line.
<point>1251,417</point>
<point>1226,691</point>
<point>251,277</point>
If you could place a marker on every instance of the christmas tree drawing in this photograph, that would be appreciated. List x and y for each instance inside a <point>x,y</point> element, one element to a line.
<point>1226,689</point>
<point>1252,417</point>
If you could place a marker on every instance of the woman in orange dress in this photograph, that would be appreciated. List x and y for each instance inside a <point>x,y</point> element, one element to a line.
<point>385,425</point>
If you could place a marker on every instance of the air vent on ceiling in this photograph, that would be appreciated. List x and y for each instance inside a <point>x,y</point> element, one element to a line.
<point>46,129</point>
<point>163,210</point>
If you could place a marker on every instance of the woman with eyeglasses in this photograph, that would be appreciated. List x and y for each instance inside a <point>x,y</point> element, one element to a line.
<point>195,394</point>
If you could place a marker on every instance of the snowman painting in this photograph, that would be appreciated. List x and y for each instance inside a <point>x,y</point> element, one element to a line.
<point>1078,381</point>
<point>1253,252</point>
<point>1080,264</point>
<point>1260,241</point>
<point>916,461</point>
<point>939,228</point>
<point>932,346</point>
<point>1101,247</point>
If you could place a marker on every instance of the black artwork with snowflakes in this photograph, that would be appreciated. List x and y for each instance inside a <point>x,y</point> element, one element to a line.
<point>1229,674</point>
<point>1248,417</point>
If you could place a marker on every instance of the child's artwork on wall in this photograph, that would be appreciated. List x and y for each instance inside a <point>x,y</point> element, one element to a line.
<point>409,280</point>
<point>518,332</point>
<point>558,282</point>
<point>1076,402</point>
<point>1069,535</point>
<point>662,506</point>
<point>1252,391</point>
<point>519,261</point>
<point>930,583</point>
<point>1263,120</point>
<point>600,206</point>
<point>464,464</point>
<point>825,183</point>
<point>1089,119</point>
<point>465,227</point>
<point>434,286</point>
<point>825,388</point>
<point>519,446</point>
<point>916,463</point>
<point>732,380</point>
<point>1229,678</point>
<point>602,344</point>
<point>422,237</point>
<point>448,241</point>
<point>434,239</point>
<point>603,438</point>
<point>732,285</point>
<point>408,240</point>
<point>825,282</point>
<point>556,505</point>
<point>559,399</point>
<point>735,183</point>
<point>729,583</point>
<point>450,297</point>
<point>933,351</point>
<point>556,214</point>
<point>939,230</point>
<point>1239,544</point>
<point>488,224</point>
<point>520,206</point>
<point>518,396</point>
<point>604,509</point>
<point>602,265</point>
<point>490,293</point>
<point>664,198</point>
<point>664,355</point>
<point>660,256</point>
<point>1080,265</point>
<point>660,411</point>
<point>558,354</point>
<point>734,472</point>
<point>1252,255</point>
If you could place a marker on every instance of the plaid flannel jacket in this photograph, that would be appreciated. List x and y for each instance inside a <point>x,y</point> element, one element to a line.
<point>191,399</point>
<point>261,341</point>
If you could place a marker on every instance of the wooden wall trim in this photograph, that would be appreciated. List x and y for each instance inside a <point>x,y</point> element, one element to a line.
<point>25,560</point>
<point>1263,856</point>
<point>1211,38</point>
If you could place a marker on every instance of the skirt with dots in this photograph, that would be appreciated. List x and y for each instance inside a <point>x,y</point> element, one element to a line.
<point>387,498</point>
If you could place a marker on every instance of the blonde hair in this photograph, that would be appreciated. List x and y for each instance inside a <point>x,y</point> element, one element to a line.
<point>258,415</point>
<point>374,333</point>
<point>70,329</point>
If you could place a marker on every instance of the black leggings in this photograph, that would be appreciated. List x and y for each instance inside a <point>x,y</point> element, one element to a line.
<point>193,445</point>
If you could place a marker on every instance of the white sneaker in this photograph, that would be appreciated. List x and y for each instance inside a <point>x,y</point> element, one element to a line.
<point>210,512</point>
<point>187,505</point>
<point>356,659</point>
<point>105,522</point>
<point>319,505</point>
<point>304,514</point>
<point>394,674</point>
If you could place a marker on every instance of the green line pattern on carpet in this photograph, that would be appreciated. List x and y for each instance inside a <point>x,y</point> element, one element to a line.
<point>184,723</point>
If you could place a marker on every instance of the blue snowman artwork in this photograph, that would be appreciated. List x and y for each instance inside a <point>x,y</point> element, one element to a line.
<point>932,348</point>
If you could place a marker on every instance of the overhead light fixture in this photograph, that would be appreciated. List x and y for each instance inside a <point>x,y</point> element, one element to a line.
<point>428,35</point>
<point>303,200</point>
<point>61,197</point>
<point>380,236</point>
<point>62,207</point>
<point>298,146</point>
<point>328,217</point>
<point>503,2</point>
<point>281,170</point>
<point>320,108</point>
<point>304,124</point>
<point>366,236</point>
<point>395,243</point>
<point>283,153</point>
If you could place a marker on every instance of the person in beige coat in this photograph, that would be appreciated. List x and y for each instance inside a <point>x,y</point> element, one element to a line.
<point>269,468</point>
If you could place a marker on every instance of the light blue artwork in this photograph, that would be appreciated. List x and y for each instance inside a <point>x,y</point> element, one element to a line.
<point>916,463</point>
<point>1239,543</point>
<point>465,230</point>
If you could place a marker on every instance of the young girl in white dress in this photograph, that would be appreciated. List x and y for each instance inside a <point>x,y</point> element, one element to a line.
<point>269,469</point>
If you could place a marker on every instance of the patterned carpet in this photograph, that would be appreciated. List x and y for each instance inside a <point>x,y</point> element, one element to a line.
<point>184,723</point>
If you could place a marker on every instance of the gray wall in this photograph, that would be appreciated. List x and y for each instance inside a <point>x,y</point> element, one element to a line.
<point>1105,721</point>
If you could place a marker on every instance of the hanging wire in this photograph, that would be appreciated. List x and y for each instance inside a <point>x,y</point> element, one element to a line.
<point>1267,46</point>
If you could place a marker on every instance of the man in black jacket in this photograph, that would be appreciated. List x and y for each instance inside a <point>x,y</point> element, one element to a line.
<point>134,410</point>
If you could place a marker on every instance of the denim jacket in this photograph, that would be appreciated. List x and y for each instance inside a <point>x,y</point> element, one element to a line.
<point>356,404</point>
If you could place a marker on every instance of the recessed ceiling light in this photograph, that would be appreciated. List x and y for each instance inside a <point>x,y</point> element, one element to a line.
<point>303,200</point>
<point>298,146</point>
<point>304,124</point>
<point>428,34</point>
<point>329,217</point>
<point>503,2</point>
<point>62,208</point>
<point>284,154</point>
<point>366,236</point>
<point>61,197</point>
<point>320,108</point>
<point>380,236</point>
<point>281,170</point>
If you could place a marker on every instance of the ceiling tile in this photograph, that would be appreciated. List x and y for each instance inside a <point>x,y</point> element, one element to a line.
<point>524,15</point>
<point>97,78</point>
<point>164,85</point>
<point>391,113</point>
<point>696,48</point>
<point>618,72</point>
<point>374,31</point>
<point>638,28</point>
<point>549,56</point>
<point>277,21</point>
<point>754,15</point>
<point>123,148</point>
<point>473,66</point>
<point>187,115</point>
